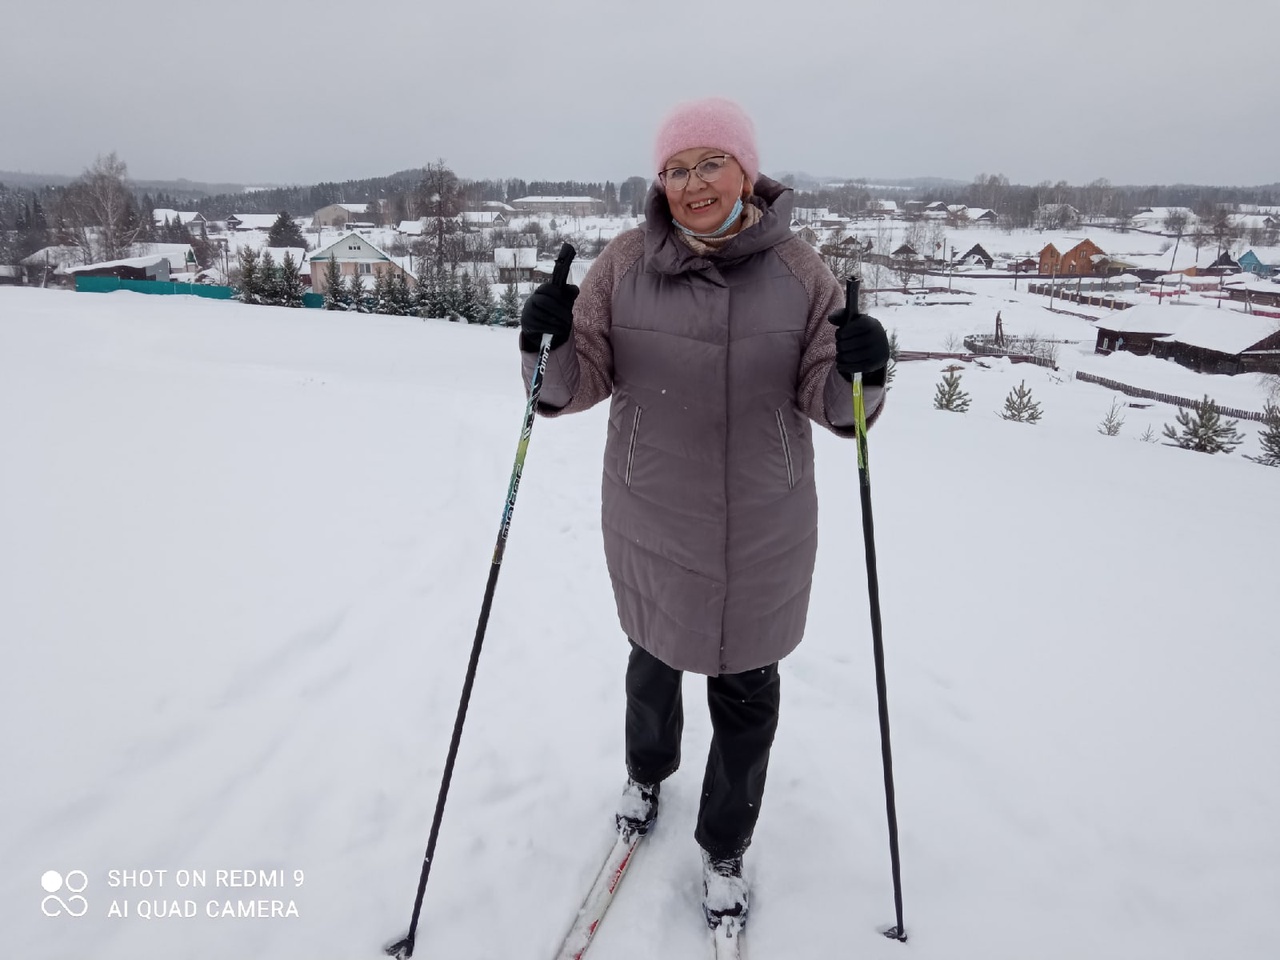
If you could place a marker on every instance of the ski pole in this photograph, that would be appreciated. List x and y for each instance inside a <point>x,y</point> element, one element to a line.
<point>898,931</point>
<point>402,949</point>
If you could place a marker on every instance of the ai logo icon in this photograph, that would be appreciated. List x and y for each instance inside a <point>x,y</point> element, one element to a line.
<point>74,883</point>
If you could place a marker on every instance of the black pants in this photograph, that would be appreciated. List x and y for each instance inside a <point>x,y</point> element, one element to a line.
<point>744,718</point>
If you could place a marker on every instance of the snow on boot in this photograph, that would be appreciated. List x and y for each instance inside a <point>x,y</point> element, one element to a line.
<point>638,807</point>
<point>724,891</point>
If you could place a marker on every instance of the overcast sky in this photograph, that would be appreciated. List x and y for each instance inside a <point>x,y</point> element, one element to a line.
<point>282,91</point>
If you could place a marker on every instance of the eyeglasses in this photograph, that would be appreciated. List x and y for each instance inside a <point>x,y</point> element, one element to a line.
<point>708,170</point>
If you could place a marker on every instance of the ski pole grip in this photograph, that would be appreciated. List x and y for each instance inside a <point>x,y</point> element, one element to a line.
<point>851,287</point>
<point>560,275</point>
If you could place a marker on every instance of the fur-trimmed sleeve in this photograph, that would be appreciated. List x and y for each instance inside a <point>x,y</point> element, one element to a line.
<point>580,372</point>
<point>823,394</point>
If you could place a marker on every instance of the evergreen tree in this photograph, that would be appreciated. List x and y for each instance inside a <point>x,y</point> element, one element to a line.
<point>1270,436</point>
<point>268,279</point>
<point>248,289</point>
<point>1111,424</point>
<point>356,295</point>
<point>467,305</point>
<point>509,306</point>
<point>949,395</point>
<point>450,294</point>
<point>380,301</point>
<point>333,289</point>
<point>484,299</point>
<point>401,298</point>
<point>1019,407</point>
<point>290,290</point>
<point>285,233</point>
<point>891,370</point>
<point>422,293</point>
<point>1204,430</point>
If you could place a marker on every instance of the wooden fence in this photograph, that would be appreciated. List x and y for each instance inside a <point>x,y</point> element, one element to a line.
<point>1089,298</point>
<point>1164,397</point>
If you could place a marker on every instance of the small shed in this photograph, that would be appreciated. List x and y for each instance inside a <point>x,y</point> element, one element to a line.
<point>131,268</point>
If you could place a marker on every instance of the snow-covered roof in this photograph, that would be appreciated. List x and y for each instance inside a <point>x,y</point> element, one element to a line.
<point>480,216</point>
<point>351,246</point>
<point>1249,281</point>
<point>558,200</point>
<point>161,214</point>
<point>126,262</point>
<point>412,228</point>
<point>519,258</point>
<point>256,221</point>
<point>1223,331</point>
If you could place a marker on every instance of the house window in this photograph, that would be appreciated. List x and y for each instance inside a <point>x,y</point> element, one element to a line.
<point>1106,343</point>
<point>366,269</point>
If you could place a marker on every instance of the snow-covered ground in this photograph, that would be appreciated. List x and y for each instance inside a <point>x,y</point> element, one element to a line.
<point>242,558</point>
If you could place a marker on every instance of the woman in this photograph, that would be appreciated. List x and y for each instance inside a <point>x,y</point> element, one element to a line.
<point>708,329</point>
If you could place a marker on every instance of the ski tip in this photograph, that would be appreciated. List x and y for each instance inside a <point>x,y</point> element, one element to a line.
<point>894,933</point>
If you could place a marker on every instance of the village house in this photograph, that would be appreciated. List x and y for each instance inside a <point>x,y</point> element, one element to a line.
<point>341,214</point>
<point>355,256</point>
<point>1250,262</point>
<point>1135,330</point>
<point>515,264</point>
<point>1077,261</point>
<point>476,219</point>
<point>1203,339</point>
<point>1156,219</point>
<point>1222,342</point>
<point>885,209</point>
<point>977,256</point>
<point>560,206</point>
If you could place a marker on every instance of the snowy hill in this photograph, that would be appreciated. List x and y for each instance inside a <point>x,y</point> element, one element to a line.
<point>244,550</point>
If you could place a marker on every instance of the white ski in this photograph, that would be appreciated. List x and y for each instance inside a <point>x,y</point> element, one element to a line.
<point>593,908</point>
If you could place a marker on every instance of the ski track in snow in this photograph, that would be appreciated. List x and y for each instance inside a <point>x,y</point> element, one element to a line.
<point>245,555</point>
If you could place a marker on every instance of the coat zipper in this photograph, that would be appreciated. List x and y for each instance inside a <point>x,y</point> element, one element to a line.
<point>631,448</point>
<point>786,450</point>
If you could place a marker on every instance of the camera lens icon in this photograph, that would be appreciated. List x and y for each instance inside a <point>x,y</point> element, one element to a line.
<point>75,882</point>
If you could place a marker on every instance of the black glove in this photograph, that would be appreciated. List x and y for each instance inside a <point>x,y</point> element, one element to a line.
<point>862,346</point>
<point>549,309</point>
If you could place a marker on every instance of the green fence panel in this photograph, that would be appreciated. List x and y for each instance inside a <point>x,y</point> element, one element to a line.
<point>154,287</point>
<point>313,300</point>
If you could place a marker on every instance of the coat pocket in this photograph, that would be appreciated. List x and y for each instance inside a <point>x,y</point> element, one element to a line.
<point>631,444</point>
<point>786,450</point>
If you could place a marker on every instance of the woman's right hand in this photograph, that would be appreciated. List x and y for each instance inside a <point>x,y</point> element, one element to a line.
<point>548,310</point>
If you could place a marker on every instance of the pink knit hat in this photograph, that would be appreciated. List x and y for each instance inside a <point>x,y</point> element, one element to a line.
<point>712,122</point>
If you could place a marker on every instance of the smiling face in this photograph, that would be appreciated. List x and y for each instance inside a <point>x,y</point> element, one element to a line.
<point>701,206</point>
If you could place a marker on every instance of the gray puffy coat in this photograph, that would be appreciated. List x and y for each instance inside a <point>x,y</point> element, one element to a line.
<point>715,366</point>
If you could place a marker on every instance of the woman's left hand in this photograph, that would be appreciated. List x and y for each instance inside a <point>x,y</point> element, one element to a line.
<point>862,347</point>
